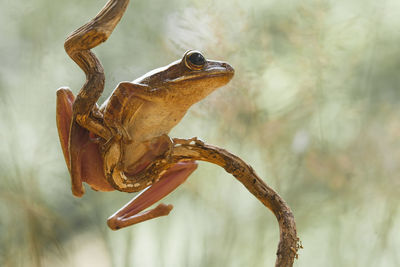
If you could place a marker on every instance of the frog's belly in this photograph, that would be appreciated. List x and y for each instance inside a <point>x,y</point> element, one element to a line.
<point>152,120</point>
<point>149,122</point>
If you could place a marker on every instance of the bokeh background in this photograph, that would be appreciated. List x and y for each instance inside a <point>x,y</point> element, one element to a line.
<point>313,107</point>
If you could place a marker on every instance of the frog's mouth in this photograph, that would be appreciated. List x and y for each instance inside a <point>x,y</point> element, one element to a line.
<point>198,77</point>
<point>213,69</point>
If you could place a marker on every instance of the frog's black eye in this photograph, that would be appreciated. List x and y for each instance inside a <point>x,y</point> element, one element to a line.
<point>194,60</point>
<point>197,59</point>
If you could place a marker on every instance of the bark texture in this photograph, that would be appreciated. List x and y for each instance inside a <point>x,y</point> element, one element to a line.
<point>193,149</point>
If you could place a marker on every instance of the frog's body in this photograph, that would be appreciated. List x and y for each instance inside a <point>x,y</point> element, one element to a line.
<point>168,94</point>
<point>139,114</point>
<point>144,111</point>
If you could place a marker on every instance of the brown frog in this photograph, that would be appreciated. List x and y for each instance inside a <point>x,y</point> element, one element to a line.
<point>131,130</point>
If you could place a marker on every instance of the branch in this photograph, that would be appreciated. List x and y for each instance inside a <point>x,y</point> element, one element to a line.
<point>193,149</point>
<point>78,45</point>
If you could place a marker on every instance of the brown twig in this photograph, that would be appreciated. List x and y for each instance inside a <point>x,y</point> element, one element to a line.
<point>77,46</point>
<point>193,149</point>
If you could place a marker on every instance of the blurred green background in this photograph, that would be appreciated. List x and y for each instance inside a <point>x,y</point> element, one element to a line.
<point>313,107</point>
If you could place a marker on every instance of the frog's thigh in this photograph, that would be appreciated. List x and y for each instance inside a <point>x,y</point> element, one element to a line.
<point>131,212</point>
<point>65,99</point>
<point>92,168</point>
<point>169,181</point>
<point>71,146</point>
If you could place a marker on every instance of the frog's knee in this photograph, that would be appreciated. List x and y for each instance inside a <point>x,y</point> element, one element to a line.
<point>65,92</point>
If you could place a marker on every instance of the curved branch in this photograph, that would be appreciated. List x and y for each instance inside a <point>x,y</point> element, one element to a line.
<point>78,45</point>
<point>193,149</point>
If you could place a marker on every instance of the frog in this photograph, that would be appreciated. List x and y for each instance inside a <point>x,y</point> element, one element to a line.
<point>113,145</point>
<point>139,115</point>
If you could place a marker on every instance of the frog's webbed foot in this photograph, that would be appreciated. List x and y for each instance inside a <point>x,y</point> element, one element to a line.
<point>132,212</point>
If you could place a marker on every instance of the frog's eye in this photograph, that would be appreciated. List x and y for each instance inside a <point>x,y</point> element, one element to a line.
<point>194,60</point>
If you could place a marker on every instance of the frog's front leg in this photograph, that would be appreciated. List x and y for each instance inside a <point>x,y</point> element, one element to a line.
<point>143,92</point>
<point>132,212</point>
<point>120,109</point>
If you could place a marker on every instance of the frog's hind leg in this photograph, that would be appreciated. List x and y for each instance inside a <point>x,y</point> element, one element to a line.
<point>65,99</point>
<point>71,136</point>
<point>82,156</point>
<point>132,213</point>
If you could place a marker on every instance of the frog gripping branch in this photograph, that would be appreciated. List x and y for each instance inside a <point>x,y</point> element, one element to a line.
<point>124,144</point>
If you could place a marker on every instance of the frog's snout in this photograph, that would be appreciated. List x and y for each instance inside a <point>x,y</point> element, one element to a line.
<point>229,68</point>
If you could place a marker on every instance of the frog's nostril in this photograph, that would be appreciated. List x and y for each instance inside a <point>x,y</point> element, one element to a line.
<point>228,68</point>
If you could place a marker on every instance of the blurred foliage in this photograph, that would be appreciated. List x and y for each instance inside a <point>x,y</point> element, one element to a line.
<point>312,107</point>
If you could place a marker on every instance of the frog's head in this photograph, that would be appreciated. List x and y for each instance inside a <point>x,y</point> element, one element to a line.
<point>190,79</point>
